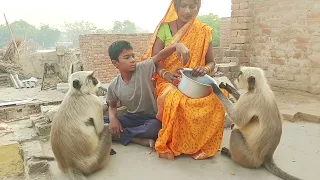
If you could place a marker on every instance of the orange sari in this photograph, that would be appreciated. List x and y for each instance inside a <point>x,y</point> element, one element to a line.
<point>189,126</point>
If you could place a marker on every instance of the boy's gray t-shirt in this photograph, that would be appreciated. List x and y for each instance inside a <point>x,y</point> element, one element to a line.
<point>138,94</point>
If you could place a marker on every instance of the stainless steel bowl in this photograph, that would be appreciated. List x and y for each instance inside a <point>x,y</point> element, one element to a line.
<point>195,87</point>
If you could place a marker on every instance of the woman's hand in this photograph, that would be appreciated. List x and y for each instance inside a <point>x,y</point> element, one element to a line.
<point>199,71</point>
<point>183,53</point>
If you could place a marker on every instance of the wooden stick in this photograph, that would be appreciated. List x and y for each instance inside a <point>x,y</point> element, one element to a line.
<point>12,35</point>
<point>44,76</point>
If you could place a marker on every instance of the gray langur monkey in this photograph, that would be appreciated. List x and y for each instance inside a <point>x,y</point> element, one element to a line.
<point>80,141</point>
<point>258,123</point>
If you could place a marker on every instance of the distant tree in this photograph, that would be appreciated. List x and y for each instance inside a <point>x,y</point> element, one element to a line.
<point>20,29</point>
<point>214,22</point>
<point>74,29</point>
<point>125,27</point>
<point>103,31</point>
<point>47,36</point>
<point>4,35</point>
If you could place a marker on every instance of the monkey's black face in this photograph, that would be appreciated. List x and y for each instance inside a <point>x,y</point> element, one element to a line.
<point>93,80</point>
<point>84,81</point>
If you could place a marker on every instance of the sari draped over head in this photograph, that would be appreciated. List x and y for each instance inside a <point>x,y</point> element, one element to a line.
<point>189,126</point>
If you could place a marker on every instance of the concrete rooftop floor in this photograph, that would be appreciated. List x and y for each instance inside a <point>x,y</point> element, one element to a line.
<point>298,154</point>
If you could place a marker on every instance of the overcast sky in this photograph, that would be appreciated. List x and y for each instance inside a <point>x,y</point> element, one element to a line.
<point>145,13</point>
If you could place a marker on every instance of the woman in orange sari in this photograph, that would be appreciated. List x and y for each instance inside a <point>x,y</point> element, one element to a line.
<point>189,126</point>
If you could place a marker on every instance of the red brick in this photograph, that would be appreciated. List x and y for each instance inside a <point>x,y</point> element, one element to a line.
<point>244,19</point>
<point>234,33</point>
<point>302,40</point>
<point>240,13</point>
<point>314,15</point>
<point>311,22</point>
<point>266,31</point>
<point>240,26</point>
<point>244,5</point>
<point>239,46</point>
<point>235,6</point>
<point>315,64</point>
<point>243,32</point>
<point>277,61</point>
<point>239,40</point>
<point>243,60</point>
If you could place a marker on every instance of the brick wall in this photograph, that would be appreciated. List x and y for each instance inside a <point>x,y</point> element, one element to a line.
<point>225,32</point>
<point>240,18</point>
<point>282,37</point>
<point>94,54</point>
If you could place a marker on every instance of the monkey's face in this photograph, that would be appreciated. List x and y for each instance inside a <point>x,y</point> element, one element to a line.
<point>84,82</point>
<point>240,81</point>
<point>247,78</point>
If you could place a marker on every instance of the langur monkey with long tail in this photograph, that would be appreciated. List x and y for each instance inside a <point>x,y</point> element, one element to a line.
<point>80,141</point>
<point>258,123</point>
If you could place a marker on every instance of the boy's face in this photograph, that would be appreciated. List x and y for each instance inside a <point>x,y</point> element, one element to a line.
<point>127,61</point>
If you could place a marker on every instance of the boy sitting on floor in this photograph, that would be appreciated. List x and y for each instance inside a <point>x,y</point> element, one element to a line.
<point>134,89</point>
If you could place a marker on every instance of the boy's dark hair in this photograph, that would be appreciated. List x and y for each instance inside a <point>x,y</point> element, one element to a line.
<point>116,48</point>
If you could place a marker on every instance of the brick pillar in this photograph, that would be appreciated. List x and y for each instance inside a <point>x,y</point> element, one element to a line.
<point>240,24</point>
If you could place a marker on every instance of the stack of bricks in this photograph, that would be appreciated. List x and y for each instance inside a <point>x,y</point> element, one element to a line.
<point>240,18</point>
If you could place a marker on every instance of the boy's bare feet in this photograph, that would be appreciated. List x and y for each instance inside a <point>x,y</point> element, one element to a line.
<point>145,142</point>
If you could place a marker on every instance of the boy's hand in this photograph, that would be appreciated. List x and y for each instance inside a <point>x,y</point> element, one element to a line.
<point>173,78</point>
<point>115,128</point>
<point>183,53</point>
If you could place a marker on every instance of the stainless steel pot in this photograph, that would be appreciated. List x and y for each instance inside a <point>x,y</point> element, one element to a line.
<point>195,87</point>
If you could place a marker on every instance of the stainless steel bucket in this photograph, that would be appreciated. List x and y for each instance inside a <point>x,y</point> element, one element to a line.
<point>195,87</point>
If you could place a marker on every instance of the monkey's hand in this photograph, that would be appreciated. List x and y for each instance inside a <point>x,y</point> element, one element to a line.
<point>225,151</point>
<point>113,152</point>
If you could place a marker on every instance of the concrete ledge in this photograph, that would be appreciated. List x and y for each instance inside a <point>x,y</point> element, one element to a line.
<point>20,112</point>
<point>11,162</point>
<point>34,169</point>
<point>300,116</point>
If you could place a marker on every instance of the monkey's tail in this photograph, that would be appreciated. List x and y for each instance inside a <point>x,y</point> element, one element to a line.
<point>274,169</point>
<point>75,174</point>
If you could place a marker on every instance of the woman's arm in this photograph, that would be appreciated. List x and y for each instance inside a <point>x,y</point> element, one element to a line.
<point>157,47</point>
<point>210,62</point>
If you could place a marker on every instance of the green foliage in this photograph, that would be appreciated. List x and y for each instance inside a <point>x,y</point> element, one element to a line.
<point>214,22</point>
<point>45,36</point>
<point>20,29</point>
<point>75,29</point>
<point>125,27</point>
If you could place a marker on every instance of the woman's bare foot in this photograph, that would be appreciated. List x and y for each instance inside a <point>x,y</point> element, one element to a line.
<point>168,155</point>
